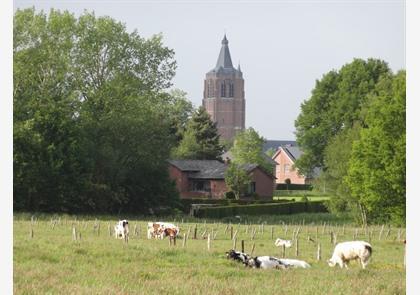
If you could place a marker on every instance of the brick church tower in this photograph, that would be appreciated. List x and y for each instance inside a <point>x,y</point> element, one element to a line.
<point>224,95</point>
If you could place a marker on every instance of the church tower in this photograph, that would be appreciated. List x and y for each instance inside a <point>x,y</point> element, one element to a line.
<point>224,95</point>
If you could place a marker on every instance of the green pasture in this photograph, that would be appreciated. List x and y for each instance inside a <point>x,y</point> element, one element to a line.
<point>47,259</point>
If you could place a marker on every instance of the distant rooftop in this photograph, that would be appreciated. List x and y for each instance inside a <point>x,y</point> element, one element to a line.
<point>275,144</point>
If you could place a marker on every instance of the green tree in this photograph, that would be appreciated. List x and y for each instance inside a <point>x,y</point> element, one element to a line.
<point>334,106</point>
<point>248,148</point>
<point>179,110</point>
<point>91,124</point>
<point>377,170</point>
<point>200,140</point>
<point>337,160</point>
<point>237,179</point>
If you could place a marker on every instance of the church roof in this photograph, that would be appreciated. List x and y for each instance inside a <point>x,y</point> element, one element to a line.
<point>224,61</point>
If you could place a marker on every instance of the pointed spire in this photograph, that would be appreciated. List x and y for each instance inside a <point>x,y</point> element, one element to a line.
<point>239,66</point>
<point>224,60</point>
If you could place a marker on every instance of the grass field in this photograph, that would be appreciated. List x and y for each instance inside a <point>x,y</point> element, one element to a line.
<point>51,262</point>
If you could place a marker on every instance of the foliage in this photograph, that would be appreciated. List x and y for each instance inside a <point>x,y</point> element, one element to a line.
<point>237,179</point>
<point>248,148</point>
<point>377,170</point>
<point>334,106</point>
<point>179,110</point>
<point>201,140</point>
<point>91,124</point>
<point>259,209</point>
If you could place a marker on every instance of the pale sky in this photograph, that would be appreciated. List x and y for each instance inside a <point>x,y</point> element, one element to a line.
<point>282,46</point>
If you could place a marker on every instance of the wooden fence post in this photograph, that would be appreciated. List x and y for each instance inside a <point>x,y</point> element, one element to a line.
<point>231,232</point>
<point>252,249</point>
<point>272,233</point>
<point>235,234</point>
<point>31,232</point>
<point>74,233</point>
<point>283,251</point>
<point>318,252</point>
<point>297,246</point>
<point>208,242</point>
<point>380,233</point>
<point>195,232</point>
<point>234,243</point>
<point>184,240</point>
<point>243,246</point>
<point>253,233</point>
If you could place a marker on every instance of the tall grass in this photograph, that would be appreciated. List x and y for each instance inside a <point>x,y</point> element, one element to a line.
<point>52,263</point>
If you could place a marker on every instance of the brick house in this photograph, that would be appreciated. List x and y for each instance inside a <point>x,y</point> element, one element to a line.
<point>205,179</point>
<point>285,158</point>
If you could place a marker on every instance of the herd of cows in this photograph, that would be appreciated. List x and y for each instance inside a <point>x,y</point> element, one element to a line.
<point>342,254</point>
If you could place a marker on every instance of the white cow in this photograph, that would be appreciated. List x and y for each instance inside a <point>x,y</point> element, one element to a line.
<point>266,262</point>
<point>346,251</point>
<point>295,263</point>
<point>121,229</point>
<point>280,242</point>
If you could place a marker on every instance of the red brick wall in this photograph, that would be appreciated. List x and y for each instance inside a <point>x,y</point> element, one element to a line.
<point>282,159</point>
<point>218,187</point>
<point>264,184</point>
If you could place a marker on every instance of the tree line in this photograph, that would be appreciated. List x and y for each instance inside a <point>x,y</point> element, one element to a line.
<point>353,128</point>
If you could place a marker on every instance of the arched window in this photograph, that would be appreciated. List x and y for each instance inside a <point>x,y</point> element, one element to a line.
<point>223,92</point>
<point>231,89</point>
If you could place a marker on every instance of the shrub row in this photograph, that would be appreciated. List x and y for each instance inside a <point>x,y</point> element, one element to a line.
<point>294,187</point>
<point>186,203</point>
<point>260,209</point>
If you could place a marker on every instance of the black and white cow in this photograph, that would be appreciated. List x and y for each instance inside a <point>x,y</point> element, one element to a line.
<point>266,262</point>
<point>238,256</point>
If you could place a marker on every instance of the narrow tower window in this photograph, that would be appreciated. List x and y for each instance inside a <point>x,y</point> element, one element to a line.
<point>223,94</point>
<point>231,89</point>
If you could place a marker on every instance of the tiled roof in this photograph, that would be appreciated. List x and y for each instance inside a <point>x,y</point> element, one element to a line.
<point>201,169</point>
<point>275,144</point>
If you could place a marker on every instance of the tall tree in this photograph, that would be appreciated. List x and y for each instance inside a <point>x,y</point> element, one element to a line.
<point>335,105</point>
<point>248,148</point>
<point>377,170</point>
<point>91,126</point>
<point>200,140</point>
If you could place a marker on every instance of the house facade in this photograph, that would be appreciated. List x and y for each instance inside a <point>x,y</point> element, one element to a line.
<point>285,158</point>
<point>205,179</point>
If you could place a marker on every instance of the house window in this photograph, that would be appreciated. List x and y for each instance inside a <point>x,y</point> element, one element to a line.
<point>252,187</point>
<point>223,94</point>
<point>200,186</point>
<point>278,169</point>
<point>286,168</point>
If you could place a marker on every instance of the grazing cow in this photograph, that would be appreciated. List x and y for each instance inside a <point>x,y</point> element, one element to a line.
<point>346,251</point>
<point>294,263</point>
<point>238,256</point>
<point>266,262</point>
<point>159,230</point>
<point>121,229</point>
<point>279,243</point>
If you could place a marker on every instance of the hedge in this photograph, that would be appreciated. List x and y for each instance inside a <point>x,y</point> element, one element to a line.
<point>294,187</point>
<point>260,209</point>
<point>186,203</point>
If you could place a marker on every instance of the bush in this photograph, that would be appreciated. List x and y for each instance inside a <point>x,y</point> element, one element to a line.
<point>294,187</point>
<point>229,195</point>
<point>260,209</point>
